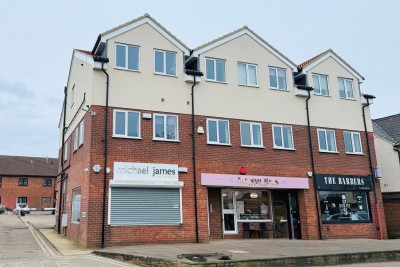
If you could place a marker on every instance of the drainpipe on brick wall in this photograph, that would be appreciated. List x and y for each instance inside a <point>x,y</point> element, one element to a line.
<point>194,74</point>
<point>309,89</point>
<point>62,162</point>
<point>371,168</point>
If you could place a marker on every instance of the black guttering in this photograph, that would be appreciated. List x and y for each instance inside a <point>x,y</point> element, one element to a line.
<point>62,162</point>
<point>96,44</point>
<point>194,73</point>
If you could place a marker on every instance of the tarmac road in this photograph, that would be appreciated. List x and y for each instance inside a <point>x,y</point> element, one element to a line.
<point>21,244</point>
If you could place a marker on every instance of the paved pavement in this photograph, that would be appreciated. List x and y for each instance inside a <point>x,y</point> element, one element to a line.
<point>242,252</point>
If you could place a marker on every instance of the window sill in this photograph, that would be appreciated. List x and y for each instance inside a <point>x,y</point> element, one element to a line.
<point>212,81</point>
<point>249,85</point>
<point>74,222</point>
<point>255,220</point>
<point>351,99</point>
<point>355,154</point>
<point>126,137</point>
<point>330,152</point>
<point>163,74</point>
<point>277,89</point>
<point>119,68</point>
<point>283,148</point>
<point>218,144</point>
<point>322,95</point>
<point>166,140</point>
<point>252,146</point>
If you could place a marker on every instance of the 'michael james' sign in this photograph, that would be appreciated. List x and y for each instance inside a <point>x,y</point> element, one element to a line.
<point>333,182</point>
<point>133,171</point>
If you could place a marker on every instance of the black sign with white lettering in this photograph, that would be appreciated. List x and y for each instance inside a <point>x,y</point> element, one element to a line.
<point>337,182</point>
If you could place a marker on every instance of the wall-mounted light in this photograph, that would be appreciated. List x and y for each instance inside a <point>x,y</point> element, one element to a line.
<point>377,173</point>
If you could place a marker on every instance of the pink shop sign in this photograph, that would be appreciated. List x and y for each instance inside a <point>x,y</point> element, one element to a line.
<point>249,181</point>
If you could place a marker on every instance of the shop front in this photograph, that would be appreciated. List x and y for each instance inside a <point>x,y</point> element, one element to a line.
<point>243,206</point>
<point>344,198</point>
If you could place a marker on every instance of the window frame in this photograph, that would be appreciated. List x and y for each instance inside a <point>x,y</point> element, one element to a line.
<point>65,150</point>
<point>352,142</point>
<point>45,182</point>
<point>23,181</point>
<point>72,96</point>
<point>81,133</point>
<point>326,141</point>
<point>277,80</point>
<point>165,52</point>
<point>75,193</point>
<point>345,88</point>
<point>282,137</point>
<point>319,84</point>
<point>261,145</point>
<point>22,198</point>
<point>126,124</point>
<point>76,138</point>
<point>208,133</point>
<point>1,181</point>
<point>127,57</point>
<point>215,69</point>
<point>165,119</point>
<point>247,74</point>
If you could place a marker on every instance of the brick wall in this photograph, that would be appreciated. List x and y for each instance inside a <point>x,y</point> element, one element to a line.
<point>210,159</point>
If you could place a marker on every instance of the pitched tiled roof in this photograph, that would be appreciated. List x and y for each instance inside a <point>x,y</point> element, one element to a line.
<point>388,128</point>
<point>140,18</point>
<point>312,60</point>
<point>28,166</point>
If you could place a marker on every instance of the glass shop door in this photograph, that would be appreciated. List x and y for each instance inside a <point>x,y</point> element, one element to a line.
<point>229,224</point>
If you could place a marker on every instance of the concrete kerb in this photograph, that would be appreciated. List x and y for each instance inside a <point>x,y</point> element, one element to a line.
<point>318,260</point>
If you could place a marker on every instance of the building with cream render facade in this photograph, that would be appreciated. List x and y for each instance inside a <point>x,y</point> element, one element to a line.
<point>162,143</point>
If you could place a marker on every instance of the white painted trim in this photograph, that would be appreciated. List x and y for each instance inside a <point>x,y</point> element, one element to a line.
<point>164,73</point>
<point>146,184</point>
<point>138,23</point>
<point>343,64</point>
<point>165,127</point>
<point>258,40</point>
<point>352,143</point>
<point>277,80</point>
<point>126,124</point>
<point>283,143</point>
<point>109,206</point>
<point>247,74</point>
<point>251,134</point>
<point>218,142</point>
<point>87,59</point>
<point>126,56</point>
<point>326,139</point>
<point>319,81</point>
<point>215,69</point>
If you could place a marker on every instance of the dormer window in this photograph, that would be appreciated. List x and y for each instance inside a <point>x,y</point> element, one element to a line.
<point>320,84</point>
<point>165,62</point>
<point>127,57</point>
<point>346,88</point>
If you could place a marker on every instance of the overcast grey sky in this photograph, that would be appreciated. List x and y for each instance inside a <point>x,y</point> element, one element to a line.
<point>38,38</point>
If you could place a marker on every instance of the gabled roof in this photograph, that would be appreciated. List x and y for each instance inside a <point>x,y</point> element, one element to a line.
<point>305,66</point>
<point>388,128</point>
<point>237,33</point>
<point>28,166</point>
<point>146,18</point>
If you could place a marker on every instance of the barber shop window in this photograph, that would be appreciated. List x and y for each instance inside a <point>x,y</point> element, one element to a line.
<point>76,205</point>
<point>253,205</point>
<point>344,206</point>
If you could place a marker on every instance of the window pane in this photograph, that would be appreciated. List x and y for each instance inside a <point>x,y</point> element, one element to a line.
<point>278,136</point>
<point>120,123</point>
<point>242,74</point>
<point>282,78</point>
<point>172,127</point>
<point>121,56</point>
<point>331,140</point>
<point>322,140</point>
<point>159,61</point>
<point>256,134</point>
<point>133,58</point>
<point>245,133</point>
<point>273,82</point>
<point>133,124</point>
<point>347,142</point>
<point>210,69</point>
<point>220,70</point>
<point>357,143</point>
<point>159,124</point>
<point>324,85</point>
<point>317,89</point>
<point>223,133</point>
<point>171,63</point>
<point>341,88</point>
<point>212,131</point>
<point>252,75</point>
<point>349,89</point>
<point>287,136</point>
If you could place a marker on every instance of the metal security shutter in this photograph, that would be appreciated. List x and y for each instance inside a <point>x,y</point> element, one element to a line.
<point>145,206</point>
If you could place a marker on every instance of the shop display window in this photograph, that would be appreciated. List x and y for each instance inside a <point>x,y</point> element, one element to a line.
<point>344,206</point>
<point>253,205</point>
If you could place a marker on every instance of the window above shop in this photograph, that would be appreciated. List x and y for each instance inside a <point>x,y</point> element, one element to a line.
<point>218,132</point>
<point>166,127</point>
<point>327,140</point>
<point>352,142</point>
<point>283,136</point>
<point>251,134</point>
<point>126,124</point>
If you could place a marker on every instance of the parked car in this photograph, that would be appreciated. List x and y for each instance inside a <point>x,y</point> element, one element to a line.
<point>2,209</point>
<point>23,208</point>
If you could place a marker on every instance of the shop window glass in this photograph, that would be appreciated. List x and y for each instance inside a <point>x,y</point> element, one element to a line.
<point>253,205</point>
<point>344,206</point>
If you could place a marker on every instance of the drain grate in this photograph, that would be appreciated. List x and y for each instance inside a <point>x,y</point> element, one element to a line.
<point>203,257</point>
<point>196,258</point>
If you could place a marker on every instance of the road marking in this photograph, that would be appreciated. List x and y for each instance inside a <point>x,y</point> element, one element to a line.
<point>47,251</point>
<point>102,259</point>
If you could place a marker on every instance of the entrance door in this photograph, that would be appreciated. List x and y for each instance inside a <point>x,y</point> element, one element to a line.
<point>294,216</point>
<point>229,224</point>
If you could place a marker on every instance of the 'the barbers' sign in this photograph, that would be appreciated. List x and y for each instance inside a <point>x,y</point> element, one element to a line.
<point>133,171</point>
<point>335,182</point>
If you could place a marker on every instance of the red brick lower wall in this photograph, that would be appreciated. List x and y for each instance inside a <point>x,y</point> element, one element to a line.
<point>391,203</point>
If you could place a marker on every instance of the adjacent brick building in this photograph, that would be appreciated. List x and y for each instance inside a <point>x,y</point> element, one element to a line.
<point>155,152</point>
<point>28,180</point>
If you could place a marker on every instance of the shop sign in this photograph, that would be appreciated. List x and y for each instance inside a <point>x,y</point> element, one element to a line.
<point>338,182</point>
<point>134,171</point>
<point>250,181</point>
